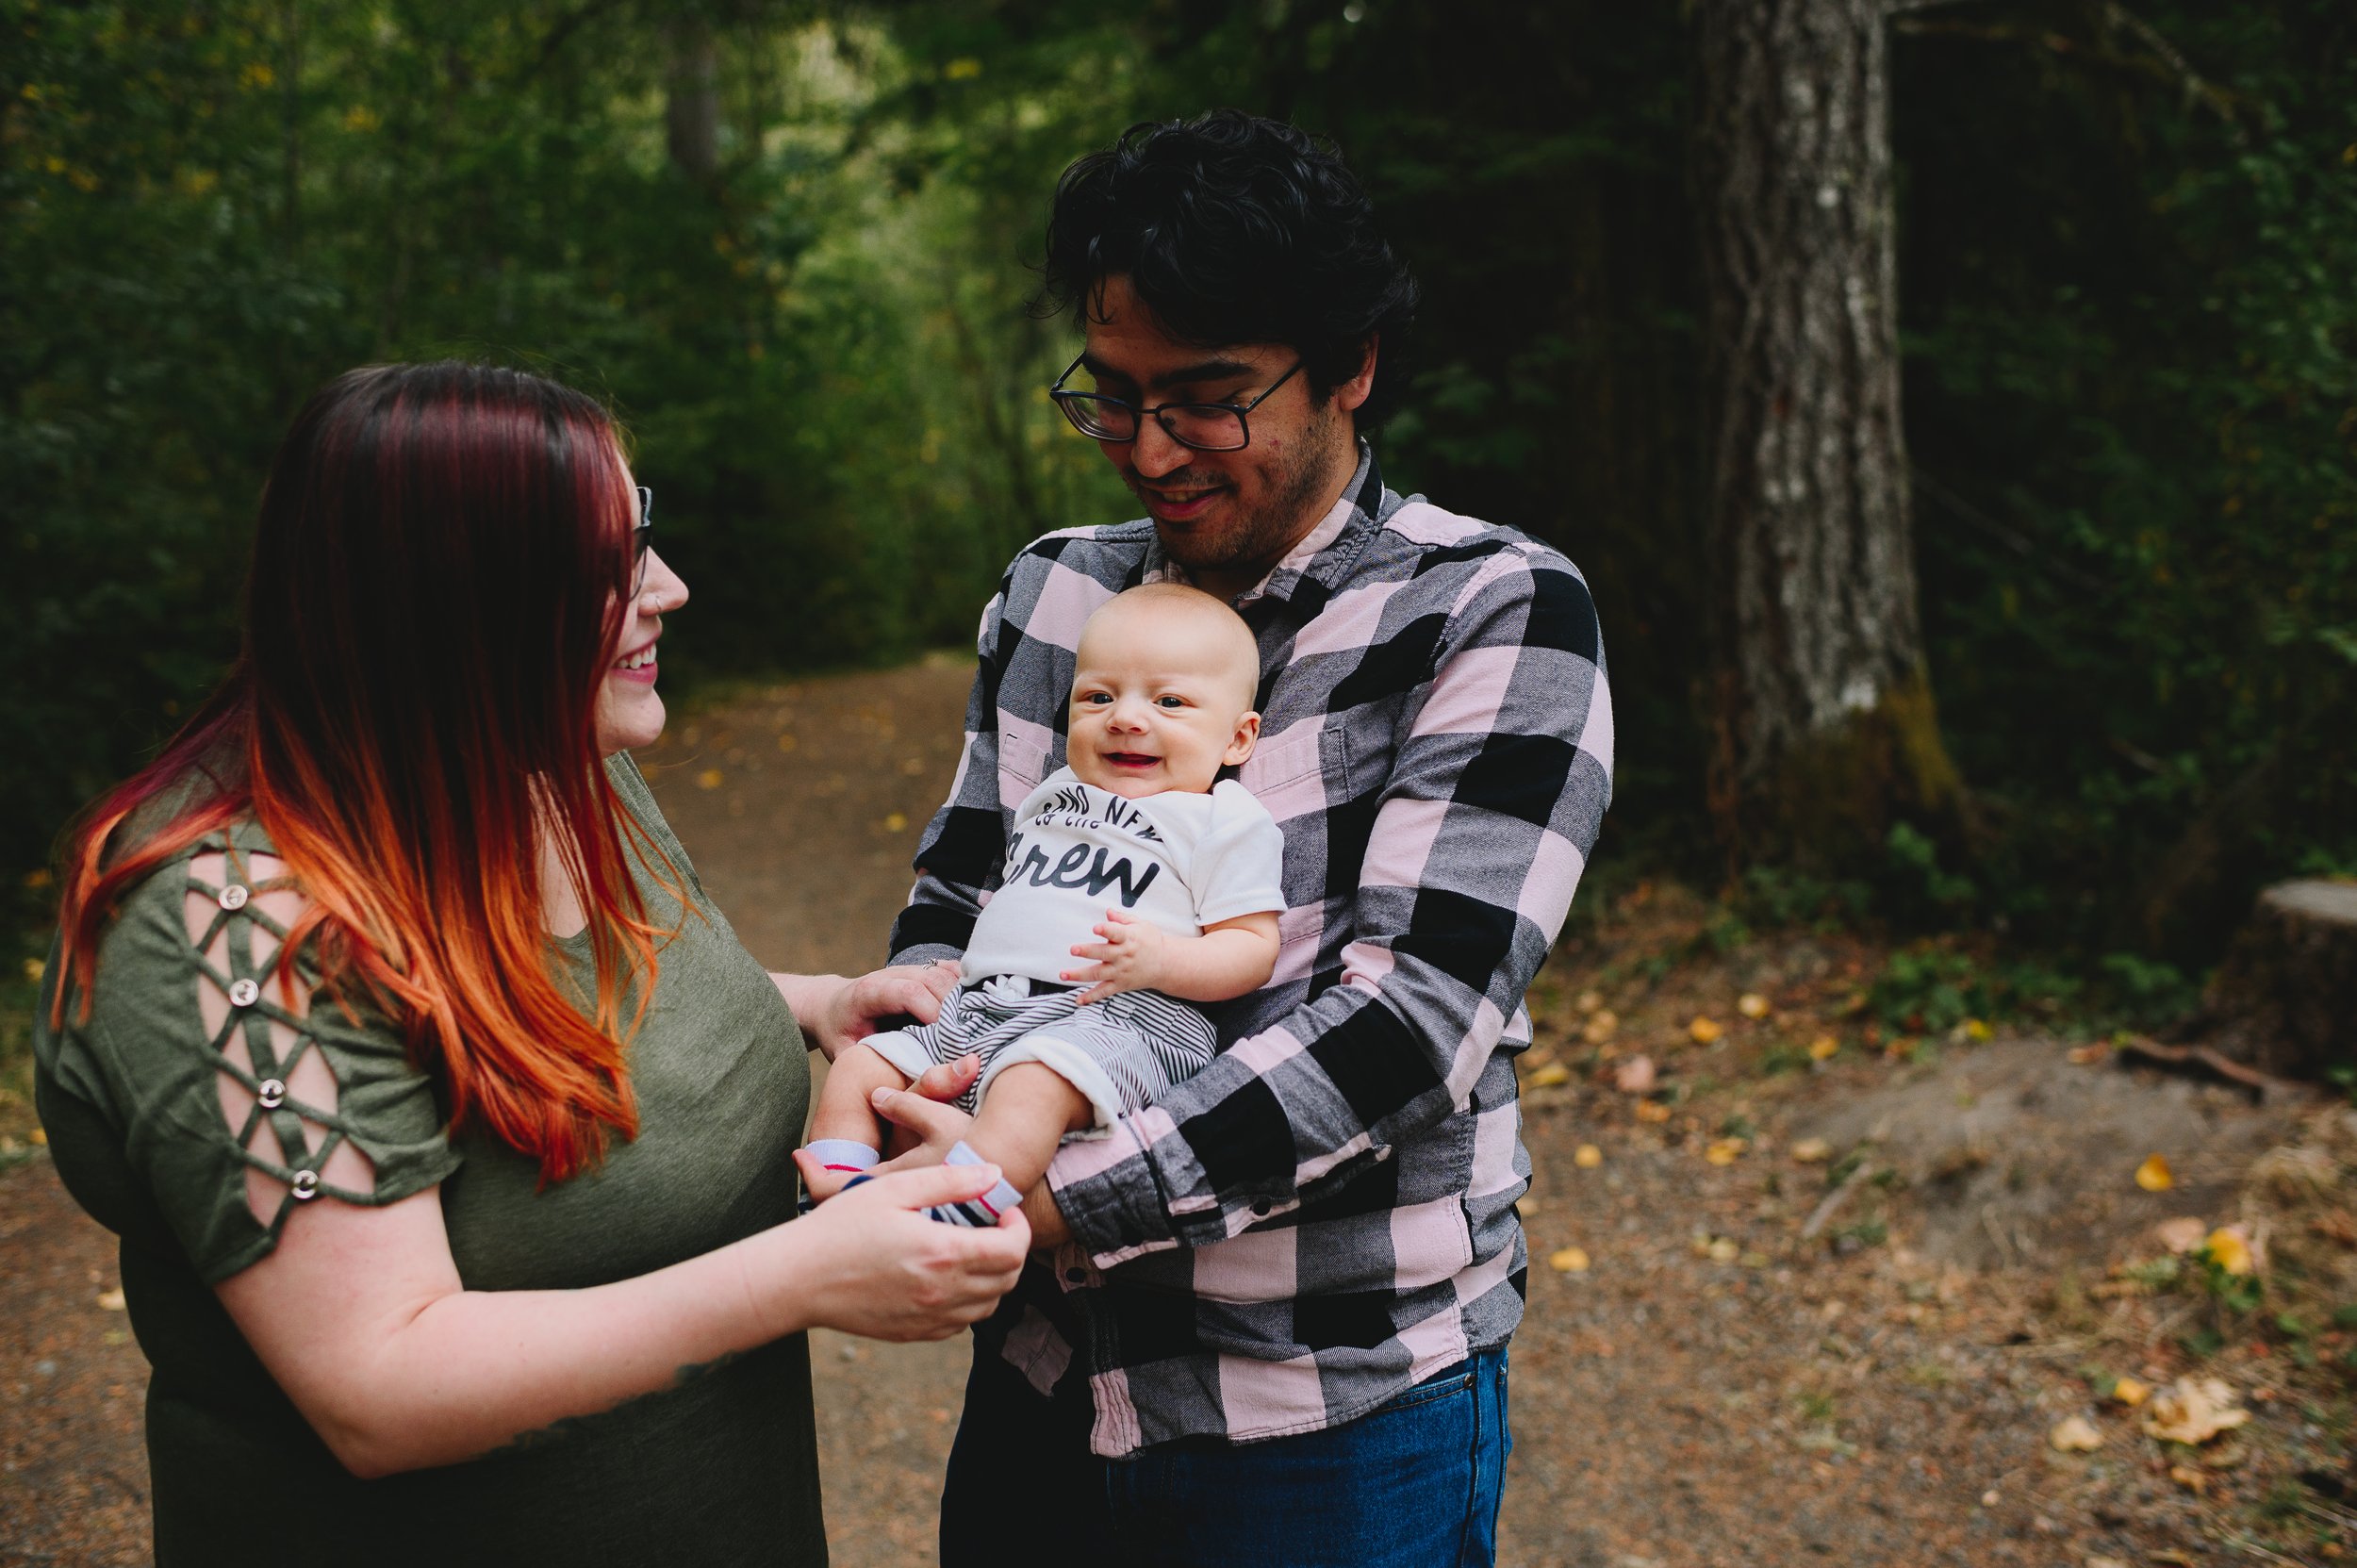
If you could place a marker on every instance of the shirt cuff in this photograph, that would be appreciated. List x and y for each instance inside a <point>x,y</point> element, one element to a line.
<point>1111,1196</point>
<point>926,952</point>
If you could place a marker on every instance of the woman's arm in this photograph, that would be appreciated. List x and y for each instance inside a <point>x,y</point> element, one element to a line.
<point>836,1011</point>
<point>361,1317</point>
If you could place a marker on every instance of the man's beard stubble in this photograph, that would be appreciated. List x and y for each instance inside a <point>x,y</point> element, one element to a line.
<point>1297,499</point>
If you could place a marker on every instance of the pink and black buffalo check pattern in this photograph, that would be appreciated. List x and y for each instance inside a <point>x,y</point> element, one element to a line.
<point>1325,1214</point>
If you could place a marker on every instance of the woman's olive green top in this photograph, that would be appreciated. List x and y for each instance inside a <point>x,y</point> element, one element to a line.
<point>720,1469</point>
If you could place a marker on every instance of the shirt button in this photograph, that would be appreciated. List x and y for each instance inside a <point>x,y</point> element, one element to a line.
<point>271,1095</point>
<point>233,896</point>
<point>242,993</point>
<point>306,1185</point>
<point>1077,1275</point>
<point>1260,1205</point>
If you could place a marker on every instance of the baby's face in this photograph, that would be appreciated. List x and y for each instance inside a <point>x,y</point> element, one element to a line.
<point>1157,706</point>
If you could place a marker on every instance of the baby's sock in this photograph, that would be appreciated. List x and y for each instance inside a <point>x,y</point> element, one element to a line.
<point>839,1154</point>
<point>980,1212</point>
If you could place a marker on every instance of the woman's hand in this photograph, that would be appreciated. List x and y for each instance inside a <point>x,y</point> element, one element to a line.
<point>835,1013</point>
<point>871,1263</point>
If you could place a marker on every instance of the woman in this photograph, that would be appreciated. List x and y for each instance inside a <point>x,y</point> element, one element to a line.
<point>445,1122</point>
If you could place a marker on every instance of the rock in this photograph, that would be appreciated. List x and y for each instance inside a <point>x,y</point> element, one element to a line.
<point>2285,1000</point>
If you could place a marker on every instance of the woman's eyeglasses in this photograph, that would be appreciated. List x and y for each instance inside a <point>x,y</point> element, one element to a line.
<point>640,537</point>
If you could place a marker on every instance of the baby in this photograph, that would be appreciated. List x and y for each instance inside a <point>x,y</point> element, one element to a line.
<point>1175,876</point>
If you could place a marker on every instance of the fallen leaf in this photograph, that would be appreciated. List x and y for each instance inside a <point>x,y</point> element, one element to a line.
<point>1974,1029</point>
<point>2229,1247</point>
<point>1634,1076</point>
<point>1752,1005</point>
<point>1588,1157</point>
<point>2086,1056</point>
<point>2107,1562</point>
<point>1703,1030</point>
<point>2193,1410</point>
<point>2131,1393</point>
<point>2188,1477</point>
<point>1723,1252</point>
<point>1823,1048</point>
<point>1549,1075</point>
<point>1811,1151</point>
<point>2183,1233</point>
<point>1526,1205</point>
<point>787,742</point>
<point>895,821</point>
<point>1588,1001</point>
<point>1724,1151</point>
<point>110,1301</point>
<point>2153,1175</point>
<point>2074,1434</point>
<point>711,778</point>
<point>1652,1111</point>
<point>1600,1025</point>
<point>1568,1260</point>
<point>40,1136</point>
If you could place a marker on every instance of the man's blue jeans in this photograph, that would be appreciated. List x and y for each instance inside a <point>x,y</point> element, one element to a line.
<point>1415,1483</point>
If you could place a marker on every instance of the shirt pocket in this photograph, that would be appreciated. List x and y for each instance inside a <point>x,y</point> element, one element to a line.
<point>1299,772</point>
<point>1022,764</point>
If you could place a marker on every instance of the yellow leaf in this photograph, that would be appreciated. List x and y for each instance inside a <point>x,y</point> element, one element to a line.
<point>1588,1001</point>
<point>1722,1251</point>
<point>1568,1260</point>
<point>35,969</point>
<point>1976,1029</point>
<point>1652,1111</point>
<point>110,1301</point>
<point>1703,1030</point>
<point>39,1135</point>
<point>1724,1151</point>
<point>1599,1027</point>
<point>2131,1393</point>
<point>2074,1434</point>
<point>1588,1157</point>
<point>2194,1410</point>
<point>1811,1151</point>
<point>2229,1247</point>
<point>1526,1205</point>
<point>895,821</point>
<point>1550,1075</point>
<point>2153,1175</point>
<point>711,778</point>
<point>787,742</point>
<point>1752,1005</point>
<point>964,70</point>
<point>1822,1047</point>
<point>2188,1477</point>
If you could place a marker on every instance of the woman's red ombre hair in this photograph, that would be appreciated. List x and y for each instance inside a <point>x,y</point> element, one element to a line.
<point>439,582</point>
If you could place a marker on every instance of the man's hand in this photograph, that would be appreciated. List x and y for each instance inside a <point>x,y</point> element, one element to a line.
<point>1128,954</point>
<point>836,1013</point>
<point>933,1126</point>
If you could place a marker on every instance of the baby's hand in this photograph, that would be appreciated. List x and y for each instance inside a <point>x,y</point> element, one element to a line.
<point>1128,957</point>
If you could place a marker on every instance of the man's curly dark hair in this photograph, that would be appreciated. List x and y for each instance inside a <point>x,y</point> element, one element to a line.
<point>1233,228</point>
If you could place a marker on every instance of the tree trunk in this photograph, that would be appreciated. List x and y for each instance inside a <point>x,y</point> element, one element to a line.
<point>691,108</point>
<point>1824,730</point>
<point>2285,1000</point>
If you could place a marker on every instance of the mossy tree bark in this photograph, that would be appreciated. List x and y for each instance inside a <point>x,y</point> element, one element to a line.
<point>1825,727</point>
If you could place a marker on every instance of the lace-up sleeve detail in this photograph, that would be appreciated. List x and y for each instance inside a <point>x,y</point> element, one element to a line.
<point>238,1101</point>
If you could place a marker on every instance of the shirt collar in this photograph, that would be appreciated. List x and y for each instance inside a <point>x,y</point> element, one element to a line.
<point>1326,554</point>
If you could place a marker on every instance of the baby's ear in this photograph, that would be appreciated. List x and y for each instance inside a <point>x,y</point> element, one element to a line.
<point>1247,736</point>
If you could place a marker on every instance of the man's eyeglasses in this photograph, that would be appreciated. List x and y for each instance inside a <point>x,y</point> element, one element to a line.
<point>640,537</point>
<point>1202,427</point>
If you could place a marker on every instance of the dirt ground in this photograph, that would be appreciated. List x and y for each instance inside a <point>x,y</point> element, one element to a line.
<point>1786,1305</point>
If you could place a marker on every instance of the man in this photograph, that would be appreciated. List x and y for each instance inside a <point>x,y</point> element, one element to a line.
<point>1274,1326</point>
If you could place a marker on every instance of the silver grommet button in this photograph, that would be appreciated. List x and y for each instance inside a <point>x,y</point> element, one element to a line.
<point>272,1094</point>
<point>243,993</point>
<point>307,1184</point>
<point>233,896</point>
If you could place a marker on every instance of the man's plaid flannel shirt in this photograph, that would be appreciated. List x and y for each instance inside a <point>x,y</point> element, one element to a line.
<point>1326,1213</point>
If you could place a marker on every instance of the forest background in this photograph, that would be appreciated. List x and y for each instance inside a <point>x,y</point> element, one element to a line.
<point>788,242</point>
